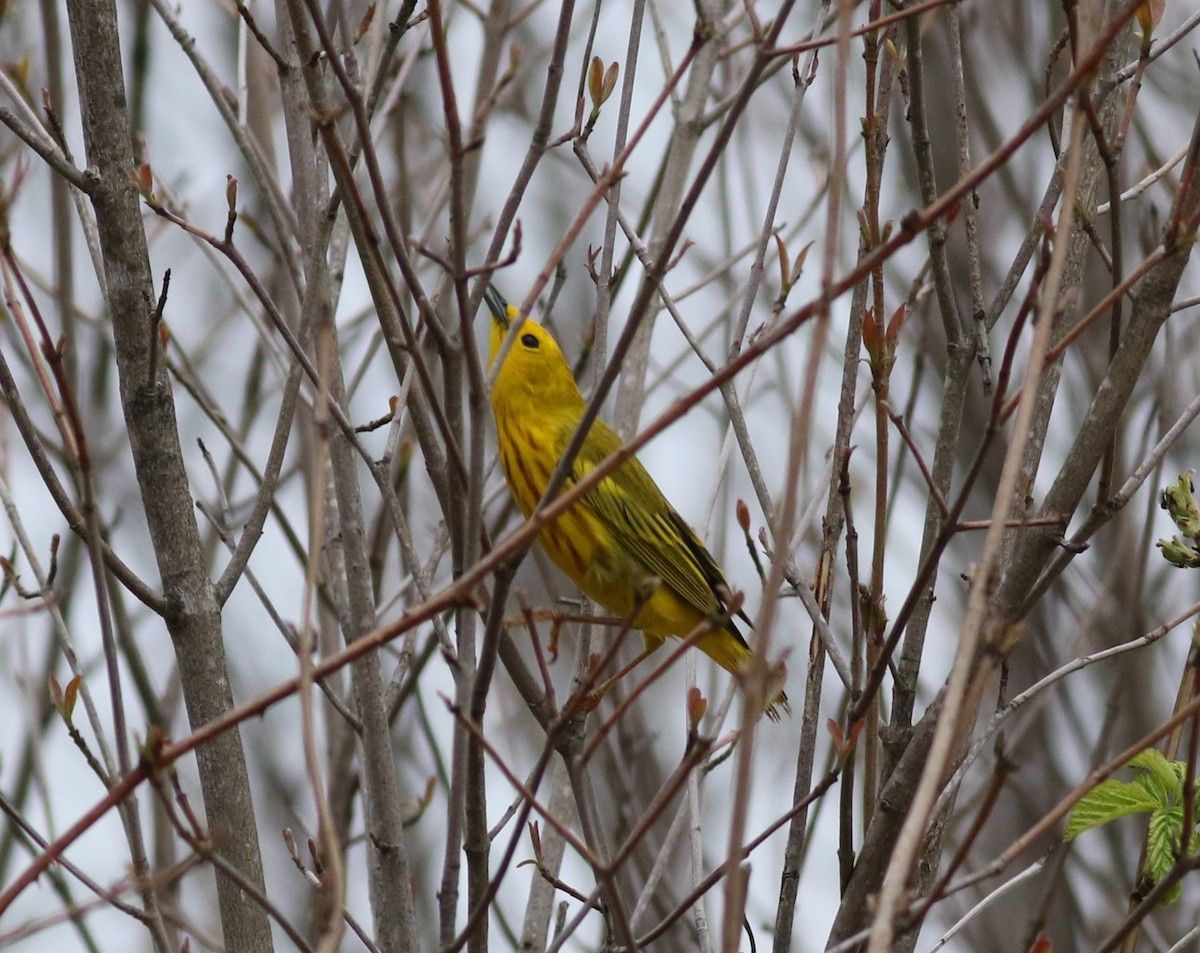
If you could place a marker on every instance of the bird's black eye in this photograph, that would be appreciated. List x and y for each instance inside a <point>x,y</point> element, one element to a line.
<point>530,341</point>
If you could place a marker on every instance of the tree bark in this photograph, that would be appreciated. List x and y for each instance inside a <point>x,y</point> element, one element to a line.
<point>193,617</point>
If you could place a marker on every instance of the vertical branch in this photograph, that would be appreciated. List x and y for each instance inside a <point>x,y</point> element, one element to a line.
<point>540,905</point>
<point>332,887</point>
<point>473,674</point>
<point>60,195</point>
<point>466,759</point>
<point>954,395</point>
<point>604,278</point>
<point>194,621</point>
<point>970,213</point>
<point>685,139</point>
<point>975,626</point>
<point>593,832</point>
<point>390,885</point>
<point>875,134</point>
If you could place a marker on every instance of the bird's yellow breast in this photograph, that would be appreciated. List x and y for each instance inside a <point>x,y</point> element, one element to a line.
<point>576,540</point>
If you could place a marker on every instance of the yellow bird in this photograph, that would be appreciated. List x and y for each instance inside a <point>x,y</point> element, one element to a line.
<point>623,544</point>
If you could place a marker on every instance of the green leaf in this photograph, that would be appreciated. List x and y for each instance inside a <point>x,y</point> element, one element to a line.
<point>1154,761</point>
<point>1107,801</point>
<point>1162,842</point>
<point>1156,789</point>
<point>1164,793</point>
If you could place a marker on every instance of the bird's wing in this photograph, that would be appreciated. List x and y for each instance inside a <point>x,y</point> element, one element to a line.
<point>642,521</point>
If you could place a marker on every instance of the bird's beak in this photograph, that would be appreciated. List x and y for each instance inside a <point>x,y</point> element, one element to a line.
<point>501,321</point>
<point>498,306</point>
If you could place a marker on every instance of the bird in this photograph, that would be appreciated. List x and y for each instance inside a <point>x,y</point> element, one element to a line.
<point>623,544</point>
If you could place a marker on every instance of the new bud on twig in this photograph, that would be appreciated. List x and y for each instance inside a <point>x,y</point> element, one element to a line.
<point>743,515</point>
<point>1179,500</point>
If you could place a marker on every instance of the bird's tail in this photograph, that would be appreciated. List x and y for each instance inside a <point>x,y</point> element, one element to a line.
<point>732,654</point>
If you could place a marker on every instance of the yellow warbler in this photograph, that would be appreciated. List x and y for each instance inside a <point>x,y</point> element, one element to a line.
<point>623,544</point>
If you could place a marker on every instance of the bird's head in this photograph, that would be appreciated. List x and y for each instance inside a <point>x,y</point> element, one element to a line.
<point>535,364</point>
